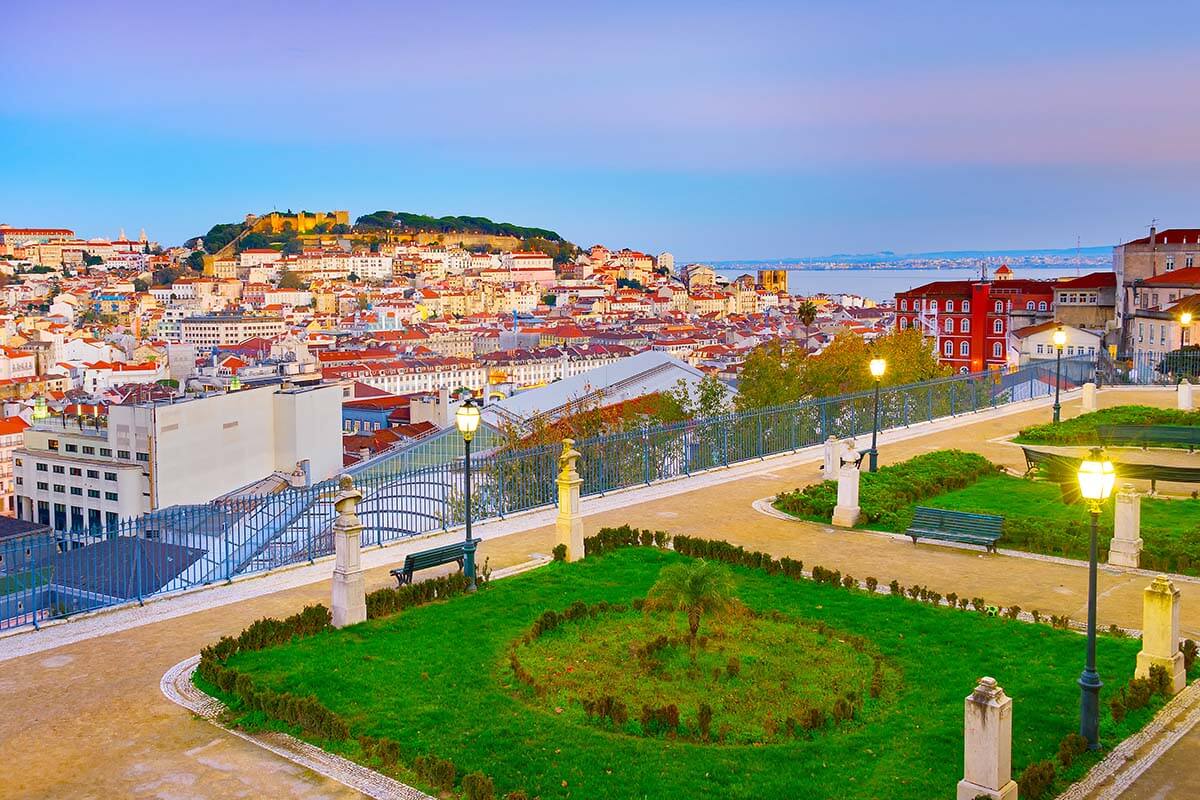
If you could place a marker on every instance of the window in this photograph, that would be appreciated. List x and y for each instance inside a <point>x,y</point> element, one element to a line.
<point>76,471</point>
<point>41,467</point>
<point>1170,263</point>
<point>997,349</point>
<point>110,496</point>
<point>43,486</point>
<point>58,469</point>
<point>1029,306</point>
<point>75,490</point>
<point>18,461</point>
<point>110,476</point>
<point>933,305</point>
<point>948,349</point>
<point>94,493</point>
<point>52,444</point>
<point>1141,331</point>
<point>964,349</point>
<point>949,325</point>
<point>59,487</point>
<point>1041,305</point>
<point>998,326</point>
<point>143,457</point>
<point>966,305</point>
<point>1041,349</point>
<point>72,448</point>
<point>1187,261</point>
<point>20,480</point>
<point>88,450</point>
<point>110,521</point>
<point>904,305</point>
<point>999,307</point>
<point>92,473</point>
<point>106,452</point>
<point>949,305</point>
<point>904,323</point>
<point>123,454</point>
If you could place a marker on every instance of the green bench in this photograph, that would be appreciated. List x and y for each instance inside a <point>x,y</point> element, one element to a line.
<point>955,526</point>
<point>1146,435</point>
<point>447,554</point>
<point>1054,466</point>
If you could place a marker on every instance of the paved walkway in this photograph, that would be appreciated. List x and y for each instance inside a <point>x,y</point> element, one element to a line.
<point>86,719</point>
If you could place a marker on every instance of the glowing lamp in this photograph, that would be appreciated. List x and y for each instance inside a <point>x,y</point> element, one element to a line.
<point>1096,477</point>
<point>878,365</point>
<point>467,419</point>
<point>1060,338</point>
<point>1185,318</point>
<point>39,408</point>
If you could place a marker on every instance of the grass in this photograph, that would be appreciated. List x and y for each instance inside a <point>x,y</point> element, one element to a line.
<point>644,660</point>
<point>437,680</point>
<point>1081,430</point>
<point>1037,520</point>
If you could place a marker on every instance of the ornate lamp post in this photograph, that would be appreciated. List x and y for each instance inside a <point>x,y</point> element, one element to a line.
<point>1096,479</point>
<point>1060,339</point>
<point>878,367</point>
<point>467,421</point>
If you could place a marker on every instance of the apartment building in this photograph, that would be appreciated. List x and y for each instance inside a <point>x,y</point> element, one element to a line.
<point>81,473</point>
<point>218,330</point>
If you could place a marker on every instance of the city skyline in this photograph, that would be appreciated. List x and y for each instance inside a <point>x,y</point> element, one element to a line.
<point>769,132</point>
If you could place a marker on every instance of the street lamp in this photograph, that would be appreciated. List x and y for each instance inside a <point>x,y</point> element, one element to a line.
<point>1060,339</point>
<point>1096,479</point>
<point>878,366</point>
<point>1185,319</point>
<point>467,421</point>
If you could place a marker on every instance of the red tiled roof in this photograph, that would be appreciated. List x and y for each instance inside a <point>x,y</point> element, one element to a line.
<point>1095,280</point>
<point>1189,276</point>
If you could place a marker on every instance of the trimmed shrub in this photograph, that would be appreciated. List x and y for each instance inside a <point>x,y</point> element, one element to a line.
<point>477,786</point>
<point>437,772</point>
<point>560,552</point>
<point>1036,780</point>
<point>387,601</point>
<point>1072,746</point>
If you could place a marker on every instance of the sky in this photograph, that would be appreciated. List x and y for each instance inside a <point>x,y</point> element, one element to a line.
<point>747,130</point>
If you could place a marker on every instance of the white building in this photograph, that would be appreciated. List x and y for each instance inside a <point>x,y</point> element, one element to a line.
<point>217,330</point>
<point>79,475</point>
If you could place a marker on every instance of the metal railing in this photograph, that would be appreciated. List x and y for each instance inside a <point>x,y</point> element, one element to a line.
<point>419,489</point>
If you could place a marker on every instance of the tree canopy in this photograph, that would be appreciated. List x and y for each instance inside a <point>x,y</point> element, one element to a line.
<point>405,221</point>
<point>777,373</point>
<point>290,280</point>
<point>221,234</point>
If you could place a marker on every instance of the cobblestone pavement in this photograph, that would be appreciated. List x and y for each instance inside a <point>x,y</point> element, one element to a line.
<point>87,719</point>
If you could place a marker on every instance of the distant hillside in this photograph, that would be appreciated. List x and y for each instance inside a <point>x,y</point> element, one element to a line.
<point>471,232</point>
<point>422,223</point>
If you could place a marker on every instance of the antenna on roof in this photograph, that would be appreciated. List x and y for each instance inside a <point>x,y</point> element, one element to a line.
<point>1076,255</point>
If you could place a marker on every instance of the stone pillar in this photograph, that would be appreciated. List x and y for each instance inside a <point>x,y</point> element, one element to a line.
<point>569,525</point>
<point>349,588</point>
<point>1089,397</point>
<point>987,744</point>
<point>1125,550</point>
<point>847,512</point>
<point>833,458</point>
<point>1185,396</point>
<point>1160,632</point>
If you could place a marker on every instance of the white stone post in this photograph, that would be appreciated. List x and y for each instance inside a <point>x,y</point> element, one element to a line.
<point>987,744</point>
<point>1185,396</point>
<point>1160,632</point>
<point>569,525</point>
<point>349,588</point>
<point>1125,550</point>
<point>1089,397</point>
<point>847,512</point>
<point>833,458</point>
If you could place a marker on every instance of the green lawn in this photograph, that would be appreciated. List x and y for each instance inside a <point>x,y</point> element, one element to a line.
<point>437,680</point>
<point>1081,430</point>
<point>1037,520</point>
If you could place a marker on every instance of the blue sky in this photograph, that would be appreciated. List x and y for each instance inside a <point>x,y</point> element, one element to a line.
<point>715,130</point>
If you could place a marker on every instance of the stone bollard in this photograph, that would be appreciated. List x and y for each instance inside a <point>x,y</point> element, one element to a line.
<point>1160,632</point>
<point>1125,550</point>
<point>569,525</point>
<point>833,458</point>
<point>349,589</point>
<point>1089,397</point>
<point>1185,396</point>
<point>847,511</point>
<point>987,744</point>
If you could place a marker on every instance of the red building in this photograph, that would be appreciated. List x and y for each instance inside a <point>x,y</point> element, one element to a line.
<point>970,319</point>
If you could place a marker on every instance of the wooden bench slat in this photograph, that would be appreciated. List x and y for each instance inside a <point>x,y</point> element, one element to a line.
<point>955,526</point>
<point>424,559</point>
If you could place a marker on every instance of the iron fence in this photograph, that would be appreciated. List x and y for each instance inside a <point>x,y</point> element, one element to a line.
<point>419,489</point>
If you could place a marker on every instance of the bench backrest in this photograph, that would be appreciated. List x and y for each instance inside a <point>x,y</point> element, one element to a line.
<point>957,521</point>
<point>1187,434</point>
<point>434,556</point>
